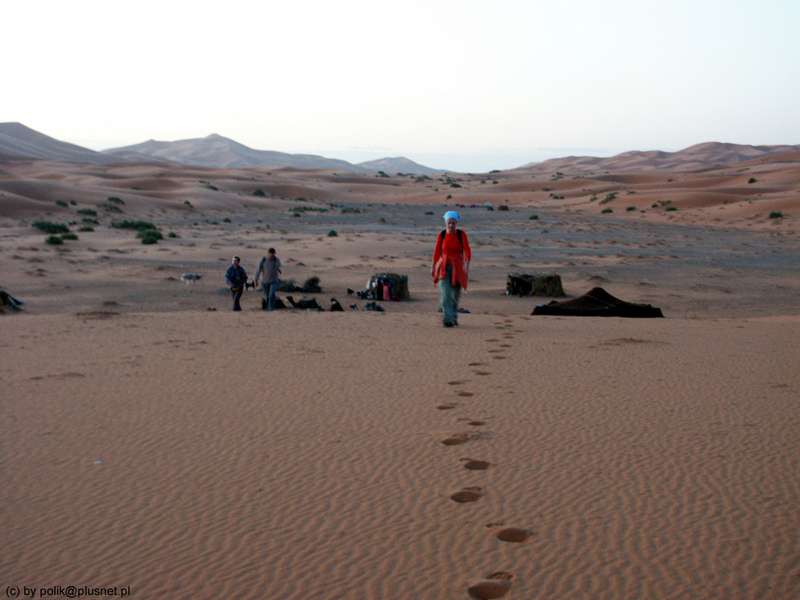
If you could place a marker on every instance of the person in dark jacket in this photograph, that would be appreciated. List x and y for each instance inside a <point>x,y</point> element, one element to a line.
<point>236,277</point>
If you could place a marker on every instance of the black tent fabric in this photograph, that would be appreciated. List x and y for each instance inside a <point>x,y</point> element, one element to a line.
<point>598,303</point>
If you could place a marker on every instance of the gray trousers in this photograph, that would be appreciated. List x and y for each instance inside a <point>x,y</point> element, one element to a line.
<point>449,295</point>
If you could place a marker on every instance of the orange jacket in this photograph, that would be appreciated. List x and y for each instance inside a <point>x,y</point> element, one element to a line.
<point>452,251</point>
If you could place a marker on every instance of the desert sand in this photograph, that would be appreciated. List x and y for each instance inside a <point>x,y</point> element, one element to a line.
<point>155,441</point>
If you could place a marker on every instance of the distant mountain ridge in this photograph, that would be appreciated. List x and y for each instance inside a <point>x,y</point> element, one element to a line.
<point>218,152</point>
<point>215,151</point>
<point>19,141</point>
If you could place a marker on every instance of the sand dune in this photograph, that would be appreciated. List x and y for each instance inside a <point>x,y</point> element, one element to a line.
<point>626,459</point>
<point>154,439</point>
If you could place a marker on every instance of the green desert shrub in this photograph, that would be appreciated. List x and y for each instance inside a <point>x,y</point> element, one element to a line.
<point>69,236</point>
<point>304,209</point>
<point>49,227</point>
<point>609,198</point>
<point>138,225</point>
<point>630,208</point>
<point>332,233</point>
<point>776,214</point>
<point>87,211</point>
<point>86,228</point>
<point>54,240</point>
<point>670,209</point>
<point>606,210</point>
<point>61,203</point>
<point>149,236</point>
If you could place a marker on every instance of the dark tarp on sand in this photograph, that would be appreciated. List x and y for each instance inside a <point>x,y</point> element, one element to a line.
<point>597,303</point>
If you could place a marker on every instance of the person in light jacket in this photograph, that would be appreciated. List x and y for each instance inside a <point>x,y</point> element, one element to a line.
<point>268,270</point>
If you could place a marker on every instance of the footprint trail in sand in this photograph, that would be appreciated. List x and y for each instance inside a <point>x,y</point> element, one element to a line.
<point>497,584</point>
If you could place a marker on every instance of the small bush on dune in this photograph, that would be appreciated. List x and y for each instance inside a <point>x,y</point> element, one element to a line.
<point>776,214</point>
<point>149,236</point>
<point>49,227</point>
<point>69,236</point>
<point>54,240</point>
<point>138,225</point>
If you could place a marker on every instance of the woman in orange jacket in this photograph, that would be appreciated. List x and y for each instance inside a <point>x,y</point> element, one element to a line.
<point>451,266</point>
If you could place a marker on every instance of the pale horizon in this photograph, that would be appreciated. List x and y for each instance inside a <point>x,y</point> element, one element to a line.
<point>463,86</point>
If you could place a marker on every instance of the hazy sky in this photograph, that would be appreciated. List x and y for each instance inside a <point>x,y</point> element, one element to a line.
<point>466,85</point>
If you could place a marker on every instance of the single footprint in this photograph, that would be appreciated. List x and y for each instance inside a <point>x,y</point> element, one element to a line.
<point>481,372</point>
<point>476,423</point>
<point>495,585</point>
<point>465,394</point>
<point>456,439</point>
<point>476,465</point>
<point>446,406</point>
<point>477,364</point>
<point>468,494</point>
<point>456,382</point>
<point>515,535</point>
